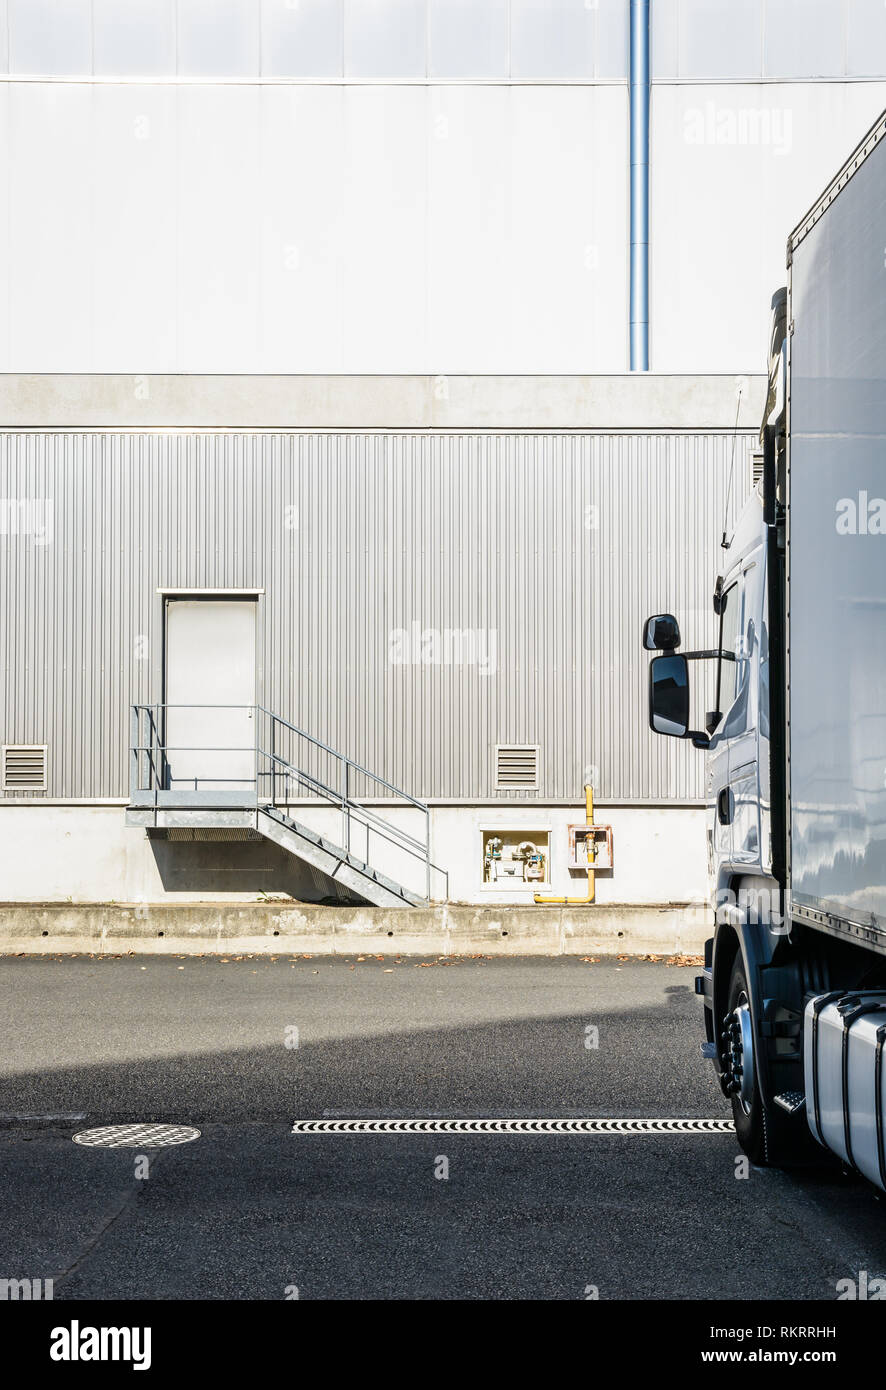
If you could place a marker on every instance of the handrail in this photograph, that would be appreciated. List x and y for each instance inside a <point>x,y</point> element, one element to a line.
<point>318,743</point>
<point>300,775</point>
<point>158,776</point>
<point>335,797</point>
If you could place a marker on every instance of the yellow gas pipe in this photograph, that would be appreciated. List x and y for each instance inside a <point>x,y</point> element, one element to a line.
<point>592,854</point>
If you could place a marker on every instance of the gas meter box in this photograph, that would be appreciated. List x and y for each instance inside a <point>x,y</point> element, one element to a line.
<point>512,858</point>
<point>590,846</point>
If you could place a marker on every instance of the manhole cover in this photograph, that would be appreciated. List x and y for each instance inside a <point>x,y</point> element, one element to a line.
<point>136,1136</point>
<point>516,1126</point>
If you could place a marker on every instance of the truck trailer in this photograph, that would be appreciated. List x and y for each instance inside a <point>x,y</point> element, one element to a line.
<point>794,980</point>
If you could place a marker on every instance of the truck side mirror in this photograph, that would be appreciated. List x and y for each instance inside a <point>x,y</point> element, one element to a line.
<point>661,633</point>
<point>669,695</point>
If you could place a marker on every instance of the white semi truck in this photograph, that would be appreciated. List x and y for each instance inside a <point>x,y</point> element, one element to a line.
<point>794,982</point>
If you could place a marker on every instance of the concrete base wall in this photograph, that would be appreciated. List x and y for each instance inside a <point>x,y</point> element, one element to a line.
<point>86,854</point>
<point>190,400</point>
<point>659,854</point>
<point>272,929</point>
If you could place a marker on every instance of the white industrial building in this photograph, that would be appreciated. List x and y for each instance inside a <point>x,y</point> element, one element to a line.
<point>322,399</point>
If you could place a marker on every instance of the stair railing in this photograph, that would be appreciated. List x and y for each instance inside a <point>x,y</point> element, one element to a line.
<point>276,758</point>
<point>273,764</point>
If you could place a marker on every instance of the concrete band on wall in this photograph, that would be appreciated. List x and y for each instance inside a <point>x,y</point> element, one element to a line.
<point>420,402</point>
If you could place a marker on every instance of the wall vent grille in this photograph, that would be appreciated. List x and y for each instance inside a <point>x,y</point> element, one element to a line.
<point>516,767</point>
<point>24,767</point>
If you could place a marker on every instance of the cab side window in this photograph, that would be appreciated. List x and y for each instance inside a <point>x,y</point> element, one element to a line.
<point>729,644</point>
<point>740,718</point>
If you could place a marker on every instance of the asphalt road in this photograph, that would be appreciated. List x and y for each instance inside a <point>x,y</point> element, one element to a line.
<point>250,1210</point>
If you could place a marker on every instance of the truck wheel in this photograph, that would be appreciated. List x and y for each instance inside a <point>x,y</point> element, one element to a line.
<point>739,1065</point>
<point>768,1135</point>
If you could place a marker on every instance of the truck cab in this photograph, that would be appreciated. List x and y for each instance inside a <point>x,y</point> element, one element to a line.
<point>743,672</point>
<point>767,972</point>
<point>751,984</point>
<point>737,755</point>
<point>746,898</point>
<point>794,741</point>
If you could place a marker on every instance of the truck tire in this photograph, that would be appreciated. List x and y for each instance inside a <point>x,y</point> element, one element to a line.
<point>768,1136</point>
<point>739,1060</point>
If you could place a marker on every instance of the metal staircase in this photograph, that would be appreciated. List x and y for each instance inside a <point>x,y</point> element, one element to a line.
<point>229,788</point>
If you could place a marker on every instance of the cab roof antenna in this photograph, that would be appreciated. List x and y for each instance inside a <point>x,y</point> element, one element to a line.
<point>725,542</point>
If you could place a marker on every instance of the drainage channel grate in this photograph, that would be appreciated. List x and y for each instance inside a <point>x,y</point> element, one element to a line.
<point>626,1127</point>
<point>136,1136</point>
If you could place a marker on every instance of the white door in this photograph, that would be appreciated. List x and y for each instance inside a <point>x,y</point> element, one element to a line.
<point>210,695</point>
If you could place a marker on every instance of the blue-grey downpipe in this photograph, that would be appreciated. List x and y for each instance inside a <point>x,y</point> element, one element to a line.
<point>639,185</point>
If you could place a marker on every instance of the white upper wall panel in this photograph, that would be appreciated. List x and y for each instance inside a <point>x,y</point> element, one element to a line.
<point>552,39</point>
<point>218,36</point>
<point>303,225</point>
<point>5,229</point>
<point>46,37</point>
<point>302,40</point>
<point>468,38</point>
<point>612,55</point>
<point>733,169</point>
<point>383,239</point>
<point>528,228</point>
<point>385,40</point>
<point>241,228</point>
<point>385,37</point>
<point>359,40</point>
<point>866,38</point>
<point>51,263</point>
<point>804,38</point>
<point>135,39</point>
<point>703,40</point>
<point>720,40</point>
<point>217,271</point>
<point>664,38</point>
<point>134,247</point>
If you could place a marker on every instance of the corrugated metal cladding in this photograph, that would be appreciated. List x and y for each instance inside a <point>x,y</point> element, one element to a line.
<point>549,548</point>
